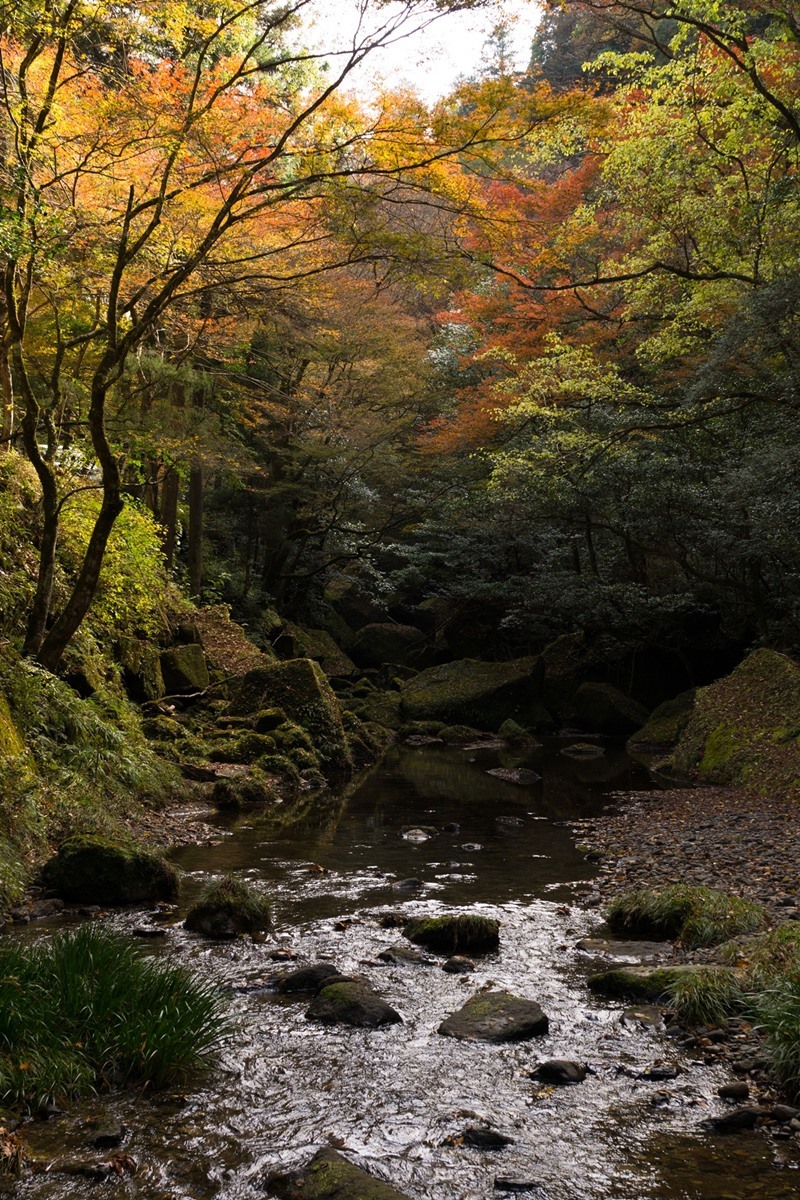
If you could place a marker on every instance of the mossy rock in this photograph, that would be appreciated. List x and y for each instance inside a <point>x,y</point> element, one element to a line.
<point>379,708</point>
<point>227,908</point>
<point>162,728</point>
<point>513,733</point>
<point>238,791</point>
<point>381,643</point>
<point>330,1176</point>
<point>245,748</point>
<point>184,669</point>
<point>290,736</point>
<point>142,676</point>
<point>349,1002</point>
<point>281,766</point>
<point>745,728</point>
<point>459,735</point>
<point>299,687</point>
<point>699,916</point>
<point>665,724</point>
<point>481,694</point>
<point>465,933</point>
<point>496,1017</point>
<point>89,869</point>
<point>602,708</point>
<point>642,983</point>
<point>226,646</point>
<point>297,642</point>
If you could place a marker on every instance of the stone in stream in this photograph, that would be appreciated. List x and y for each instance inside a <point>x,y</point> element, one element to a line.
<point>485,1139</point>
<point>465,932</point>
<point>458,965</point>
<point>496,1017</point>
<point>734,1091</point>
<point>503,1184</point>
<point>739,1119</point>
<point>400,953</point>
<point>331,1176</point>
<point>350,1002</point>
<point>306,979</point>
<point>520,776</point>
<point>643,983</point>
<point>650,1016</point>
<point>561,1071</point>
<point>638,952</point>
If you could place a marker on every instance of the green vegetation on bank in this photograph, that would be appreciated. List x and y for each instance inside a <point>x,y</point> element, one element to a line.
<point>86,1010</point>
<point>698,916</point>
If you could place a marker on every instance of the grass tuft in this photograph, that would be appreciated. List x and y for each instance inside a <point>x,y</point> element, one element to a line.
<point>86,1010</point>
<point>709,997</point>
<point>699,916</point>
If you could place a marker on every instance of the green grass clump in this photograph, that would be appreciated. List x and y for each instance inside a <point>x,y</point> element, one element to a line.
<point>228,907</point>
<point>86,1010</point>
<point>465,933</point>
<point>707,997</point>
<point>777,1014</point>
<point>699,916</point>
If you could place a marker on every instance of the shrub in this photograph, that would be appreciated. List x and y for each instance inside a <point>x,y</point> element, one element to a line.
<point>699,916</point>
<point>87,1009</point>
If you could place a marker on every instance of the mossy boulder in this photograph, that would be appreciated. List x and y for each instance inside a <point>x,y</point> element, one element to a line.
<point>227,908</point>
<point>184,670</point>
<point>236,791</point>
<point>665,725</point>
<point>296,642</point>
<point>642,983</point>
<point>89,869</point>
<point>330,1176</point>
<point>745,729</point>
<point>299,687</point>
<point>350,1002</point>
<point>142,676</point>
<point>377,644</point>
<point>603,708</point>
<point>228,650</point>
<point>464,933</point>
<point>378,708</point>
<point>496,1017</point>
<point>482,694</point>
<point>698,916</point>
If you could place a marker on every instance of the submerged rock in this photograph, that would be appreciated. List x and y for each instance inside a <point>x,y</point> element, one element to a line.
<point>496,1017</point>
<point>89,869</point>
<point>330,1176</point>
<point>351,1003</point>
<point>452,935</point>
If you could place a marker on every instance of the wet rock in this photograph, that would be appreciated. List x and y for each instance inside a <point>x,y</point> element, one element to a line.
<point>784,1113</point>
<point>227,908</point>
<point>331,1176</point>
<point>108,1137</point>
<point>561,1071</point>
<point>452,935</point>
<point>458,965</point>
<point>418,833</point>
<point>408,885</point>
<point>184,670</point>
<point>514,822</point>
<point>307,979</point>
<point>91,869</point>
<point>351,1003</point>
<point>471,847</point>
<point>496,1017</point>
<point>485,1139</point>
<point>452,827</point>
<point>502,1184</point>
<point>642,983</point>
<point>734,1091</point>
<point>518,775</point>
<point>400,953</point>
<point>582,750</point>
<point>651,1016</point>
<point>149,931</point>
<point>659,1072</point>
<point>736,1121</point>
<point>641,952</point>
<point>35,911</point>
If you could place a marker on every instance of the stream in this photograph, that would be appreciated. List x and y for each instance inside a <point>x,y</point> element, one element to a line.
<point>391,1099</point>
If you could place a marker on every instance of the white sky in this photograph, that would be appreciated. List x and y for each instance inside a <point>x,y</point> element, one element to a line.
<point>430,61</point>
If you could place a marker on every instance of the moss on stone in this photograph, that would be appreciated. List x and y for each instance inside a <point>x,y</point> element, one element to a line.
<point>741,728</point>
<point>699,916</point>
<point>184,669</point>
<point>664,726</point>
<point>481,694</point>
<point>229,907</point>
<point>90,869</point>
<point>465,933</point>
<point>641,983</point>
<point>329,1176</point>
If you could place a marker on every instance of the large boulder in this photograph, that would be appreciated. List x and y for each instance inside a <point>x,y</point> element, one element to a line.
<point>745,729</point>
<point>226,646</point>
<point>483,694</point>
<point>89,869</point>
<point>460,934</point>
<point>496,1017</point>
<point>330,1176</point>
<point>298,687</point>
<point>377,644</point>
<point>350,1002</point>
<point>665,725</point>
<point>184,670</point>
<point>142,676</point>
<point>602,708</point>
<point>296,642</point>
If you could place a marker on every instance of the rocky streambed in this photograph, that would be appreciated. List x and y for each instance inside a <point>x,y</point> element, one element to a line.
<point>600,1099</point>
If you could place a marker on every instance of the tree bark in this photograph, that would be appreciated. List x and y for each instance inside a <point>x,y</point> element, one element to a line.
<point>195,531</point>
<point>170,494</point>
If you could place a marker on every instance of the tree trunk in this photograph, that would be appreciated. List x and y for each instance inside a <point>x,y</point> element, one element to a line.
<point>195,531</point>
<point>170,494</point>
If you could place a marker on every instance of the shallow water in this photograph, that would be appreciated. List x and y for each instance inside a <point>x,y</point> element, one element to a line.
<point>391,1098</point>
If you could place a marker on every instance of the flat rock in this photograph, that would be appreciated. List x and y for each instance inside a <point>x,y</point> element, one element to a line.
<point>485,1139</point>
<point>521,776</point>
<point>496,1017</point>
<point>651,1016</point>
<point>400,953</point>
<point>458,965</point>
<point>634,952</point>
<point>331,1176</point>
<point>351,1003</point>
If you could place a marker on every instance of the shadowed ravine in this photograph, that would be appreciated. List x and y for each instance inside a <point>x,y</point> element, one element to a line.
<point>391,1098</point>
